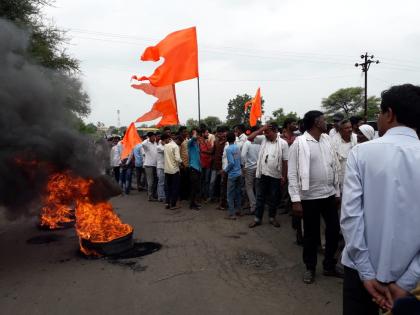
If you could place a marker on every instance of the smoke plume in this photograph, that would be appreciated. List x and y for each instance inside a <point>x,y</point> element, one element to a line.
<point>37,134</point>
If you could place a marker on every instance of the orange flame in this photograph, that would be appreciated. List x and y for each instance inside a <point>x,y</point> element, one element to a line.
<point>96,222</point>
<point>58,201</point>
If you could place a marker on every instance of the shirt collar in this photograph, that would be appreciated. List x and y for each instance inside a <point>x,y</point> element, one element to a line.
<point>403,131</point>
<point>309,137</point>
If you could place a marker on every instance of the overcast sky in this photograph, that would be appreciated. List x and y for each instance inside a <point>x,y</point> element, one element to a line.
<point>297,51</point>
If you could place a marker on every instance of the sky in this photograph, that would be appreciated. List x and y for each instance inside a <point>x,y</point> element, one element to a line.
<point>297,51</point>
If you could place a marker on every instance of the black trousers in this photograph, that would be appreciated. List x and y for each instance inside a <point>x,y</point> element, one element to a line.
<point>312,210</point>
<point>184,193</point>
<point>195,182</point>
<point>356,300</point>
<point>172,188</point>
<point>117,174</point>
<point>267,192</point>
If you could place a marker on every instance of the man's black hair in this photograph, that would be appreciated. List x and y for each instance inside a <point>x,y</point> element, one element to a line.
<point>224,128</point>
<point>182,129</point>
<point>310,118</point>
<point>288,121</point>
<point>404,100</point>
<point>355,120</point>
<point>255,128</point>
<point>241,127</point>
<point>179,138</point>
<point>344,121</point>
<point>167,128</point>
<point>274,126</point>
<point>164,136</point>
<point>150,134</point>
<point>231,137</point>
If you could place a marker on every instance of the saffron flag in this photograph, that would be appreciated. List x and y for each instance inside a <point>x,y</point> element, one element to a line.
<point>164,107</point>
<point>256,110</point>
<point>130,140</point>
<point>180,53</point>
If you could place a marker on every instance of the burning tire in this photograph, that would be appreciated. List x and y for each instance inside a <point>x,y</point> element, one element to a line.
<point>114,247</point>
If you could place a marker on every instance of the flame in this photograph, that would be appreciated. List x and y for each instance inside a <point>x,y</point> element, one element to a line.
<point>95,222</point>
<point>58,201</point>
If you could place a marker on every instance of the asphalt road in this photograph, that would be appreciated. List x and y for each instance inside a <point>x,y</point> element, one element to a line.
<point>207,265</point>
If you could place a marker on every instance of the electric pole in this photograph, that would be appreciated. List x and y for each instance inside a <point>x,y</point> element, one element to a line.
<point>118,119</point>
<point>365,68</point>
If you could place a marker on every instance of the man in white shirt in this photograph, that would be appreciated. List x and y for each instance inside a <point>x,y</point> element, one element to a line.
<point>160,165</point>
<point>150,163</point>
<point>172,160</point>
<point>343,142</point>
<point>241,137</point>
<point>380,212</point>
<point>314,191</point>
<point>115,158</point>
<point>337,118</point>
<point>271,171</point>
<point>249,158</point>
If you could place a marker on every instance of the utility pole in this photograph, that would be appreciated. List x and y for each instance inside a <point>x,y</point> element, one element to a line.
<point>118,119</point>
<point>365,68</point>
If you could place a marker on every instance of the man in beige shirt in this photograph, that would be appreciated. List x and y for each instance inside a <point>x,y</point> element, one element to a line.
<point>172,178</point>
<point>184,193</point>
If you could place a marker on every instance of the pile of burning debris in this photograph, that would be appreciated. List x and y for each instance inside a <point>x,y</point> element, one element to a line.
<point>44,159</point>
<point>69,200</point>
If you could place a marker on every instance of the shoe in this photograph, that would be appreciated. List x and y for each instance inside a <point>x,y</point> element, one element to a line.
<point>254,224</point>
<point>231,217</point>
<point>167,207</point>
<point>239,214</point>
<point>309,276</point>
<point>335,272</point>
<point>152,199</point>
<point>174,207</point>
<point>275,223</point>
<point>221,208</point>
<point>194,208</point>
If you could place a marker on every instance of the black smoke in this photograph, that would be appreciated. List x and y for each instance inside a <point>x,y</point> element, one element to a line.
<point>37,133</point>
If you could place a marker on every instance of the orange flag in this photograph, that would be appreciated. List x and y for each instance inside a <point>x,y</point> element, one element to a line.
<point>256,111</point>
<point>164,107</point>
<point>130,140</point>
<point>180,53</point>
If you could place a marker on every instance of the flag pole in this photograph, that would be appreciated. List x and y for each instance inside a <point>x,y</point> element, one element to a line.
<point>199,109</point>
<point>176,102</point>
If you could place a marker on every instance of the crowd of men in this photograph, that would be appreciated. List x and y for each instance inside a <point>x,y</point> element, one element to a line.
<point>312,172</point>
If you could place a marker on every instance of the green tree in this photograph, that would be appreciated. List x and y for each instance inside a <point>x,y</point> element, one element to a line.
<point>47,47</point>
<point>350,101</point>
<point>236,113</point>
<point>212,122</point>
<point>280,116</point>
<point>191,122</point>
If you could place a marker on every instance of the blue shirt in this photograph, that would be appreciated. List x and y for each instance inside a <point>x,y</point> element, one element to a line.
<point>194,154</point>
<point>233,155</point>
<point>138,155</point>
<point>380,212</point>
